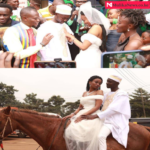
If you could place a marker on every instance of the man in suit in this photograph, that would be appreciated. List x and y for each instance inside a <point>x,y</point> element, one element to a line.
<point>20,39</point>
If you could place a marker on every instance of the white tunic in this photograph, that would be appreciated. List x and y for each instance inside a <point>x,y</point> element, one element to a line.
<point>55,48</point>
<point>126,64</point>
<point>116,116</point>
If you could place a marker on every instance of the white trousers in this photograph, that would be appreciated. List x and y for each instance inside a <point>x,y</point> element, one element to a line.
<point>104,132</point>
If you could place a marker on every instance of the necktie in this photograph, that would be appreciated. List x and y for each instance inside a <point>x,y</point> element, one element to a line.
<point>32,42</point>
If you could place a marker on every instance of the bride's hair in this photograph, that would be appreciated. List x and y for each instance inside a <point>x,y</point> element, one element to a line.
<point>91,79</point>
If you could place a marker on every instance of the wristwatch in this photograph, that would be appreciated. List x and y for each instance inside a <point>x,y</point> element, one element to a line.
<point>42,44</point>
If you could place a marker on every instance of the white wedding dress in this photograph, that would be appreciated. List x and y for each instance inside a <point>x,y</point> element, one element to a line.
<point>84,134</point>
<point>91,57</point>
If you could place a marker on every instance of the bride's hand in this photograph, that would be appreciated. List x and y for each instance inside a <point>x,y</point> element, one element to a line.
<point>69,36</point>
<point>78,119</point>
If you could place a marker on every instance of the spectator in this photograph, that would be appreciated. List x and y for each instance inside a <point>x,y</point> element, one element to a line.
<point>146,37</point>
<point>16,10</point>
<point>140,61</point>
<point>5,13</point>
<point>36,4</point>
<point>75,26</point>
<point>49,12</point>
<point>113,36</point>
<point>5,20</point>
<point>20,39</point>
<point>128,22</point>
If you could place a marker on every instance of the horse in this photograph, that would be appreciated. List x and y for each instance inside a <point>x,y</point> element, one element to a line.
<point>48,131</point>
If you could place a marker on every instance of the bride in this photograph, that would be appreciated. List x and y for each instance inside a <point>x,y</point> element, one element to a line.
<point>94,41</point>
<point>83,134</point>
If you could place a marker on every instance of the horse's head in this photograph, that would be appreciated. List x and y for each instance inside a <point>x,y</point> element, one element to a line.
<point>5,122</point>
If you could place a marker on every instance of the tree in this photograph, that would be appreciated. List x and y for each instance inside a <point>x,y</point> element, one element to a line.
<point>70,107</point>
<point>54,104</point>
<point>33,102</point>
<point>140,103</point>
<point>7,95</point>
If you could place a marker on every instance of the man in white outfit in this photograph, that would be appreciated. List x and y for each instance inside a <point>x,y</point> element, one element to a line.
<point>58,47</point>
<point>115,113</point>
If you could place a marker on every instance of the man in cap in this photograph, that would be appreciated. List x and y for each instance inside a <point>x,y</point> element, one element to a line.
<point>49,11</point>
<point>57,47</point>
<point>127,63</point>
<point>115,113</point>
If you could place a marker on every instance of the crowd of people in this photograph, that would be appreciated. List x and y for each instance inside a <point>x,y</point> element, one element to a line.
<point>71,31</point>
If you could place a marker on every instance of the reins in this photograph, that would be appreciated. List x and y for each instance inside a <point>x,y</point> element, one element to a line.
<point>55,136</point>
<point>58,130</point>
<point>4,129</point>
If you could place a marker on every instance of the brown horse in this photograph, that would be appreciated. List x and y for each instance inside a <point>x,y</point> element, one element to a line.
<point>48,131</point>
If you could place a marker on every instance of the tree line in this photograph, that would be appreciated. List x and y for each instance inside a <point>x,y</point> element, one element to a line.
<point>139,100</point>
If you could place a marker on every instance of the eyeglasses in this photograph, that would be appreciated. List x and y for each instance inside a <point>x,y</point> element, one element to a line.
<point>80,2</point>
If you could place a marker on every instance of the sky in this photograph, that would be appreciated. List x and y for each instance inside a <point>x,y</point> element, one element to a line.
<point>69,83</point>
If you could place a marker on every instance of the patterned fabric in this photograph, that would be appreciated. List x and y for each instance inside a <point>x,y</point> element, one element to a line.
<point>32,42</point>
<point>24,63</point>
<point>108,100</point>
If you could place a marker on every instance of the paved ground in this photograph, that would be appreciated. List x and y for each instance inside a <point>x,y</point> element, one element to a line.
<point>15,143</point>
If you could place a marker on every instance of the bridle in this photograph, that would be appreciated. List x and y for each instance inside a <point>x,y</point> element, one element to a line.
<point>4,129</point>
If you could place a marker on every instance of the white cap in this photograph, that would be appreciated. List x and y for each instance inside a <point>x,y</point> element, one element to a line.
<point>129,56</point>
<point>63,9</point>
<point>115,78</point>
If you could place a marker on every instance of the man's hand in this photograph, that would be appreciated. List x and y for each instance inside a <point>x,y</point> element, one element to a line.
<point>47,38</point>
<point>78,119</point>
<point>145,48</point>
<point>89,117</point>
<point>6,58</point>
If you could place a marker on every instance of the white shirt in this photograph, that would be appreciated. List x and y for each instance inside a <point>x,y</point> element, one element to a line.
<point>12,40</point>
<point>17,12</point>
<point>116,116</point>
<point>126,64</point>
<point>55,48</point>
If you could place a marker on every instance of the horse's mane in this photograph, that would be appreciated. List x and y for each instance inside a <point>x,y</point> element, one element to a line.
<point>34,112</point>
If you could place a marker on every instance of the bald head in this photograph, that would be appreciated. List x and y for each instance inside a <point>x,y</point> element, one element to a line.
<point>58,1</point>
<point>27,11</point>
<point>52,9</point>
<point>30,16</point>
